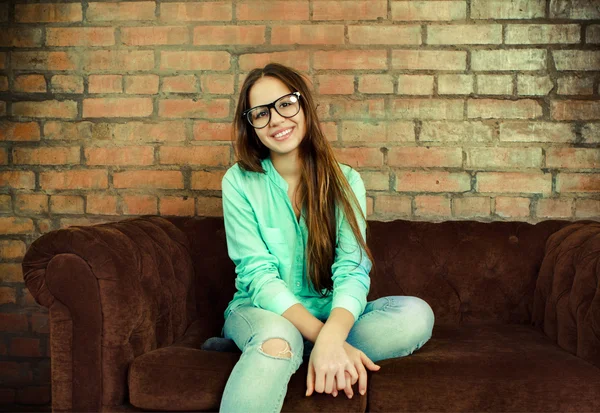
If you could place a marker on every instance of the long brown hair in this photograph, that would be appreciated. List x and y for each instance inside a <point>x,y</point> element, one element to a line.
<point>322,183</point>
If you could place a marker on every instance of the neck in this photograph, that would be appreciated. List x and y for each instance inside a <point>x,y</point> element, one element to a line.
<point>288,165</point>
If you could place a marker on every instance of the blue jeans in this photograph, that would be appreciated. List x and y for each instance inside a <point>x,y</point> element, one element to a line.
<point>389,327</point>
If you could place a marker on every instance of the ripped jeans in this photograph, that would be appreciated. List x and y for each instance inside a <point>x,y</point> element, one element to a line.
<point>394,326</point>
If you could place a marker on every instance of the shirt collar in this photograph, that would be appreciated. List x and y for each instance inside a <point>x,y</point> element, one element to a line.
<point>272,173</point>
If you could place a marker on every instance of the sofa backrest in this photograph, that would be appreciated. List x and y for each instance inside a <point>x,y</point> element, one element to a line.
<point>468,271</point>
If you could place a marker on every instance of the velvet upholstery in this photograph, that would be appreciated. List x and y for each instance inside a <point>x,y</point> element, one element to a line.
<point>133,303</point>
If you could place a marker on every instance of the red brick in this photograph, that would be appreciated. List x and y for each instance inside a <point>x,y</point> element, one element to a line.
<point>336,84</point>
<point>376,84</point>
<point>191,108</point>
<point>8,295</point>
<point>40,323</point>
<point>213,11</point>
<point>521,131</point>
<point>117,107</point>
<point>48,13</point>
<point>19,131</point>
<point>32,203</point>
<point>195,155</point>
<point>46,109</point>
<point>504,158</point>
<point>353,131</point>
<point>575,109</point>
<point>566,182</point>
<point>17,179</point>
<point>13,322</point>
<point>415,85</point>
<point>194,60</point>
<point>118,60</point>
<point>171,205</point>
<point>66,84</point>
<point>464,34</point>
<point>393,205</point>
<point>343,108</point>
<point>101,204</point>
<point>207,180</point>
<point>211,131</point>
<point>504,109</point>
<point>30,83</point>
<point>376,181</point>
<point>160,35</point>
<point>359,157</point>
<point>425,157</point>
<point>209,206</point>
<point>431,205</point>
<point>514,182</point>
<point>351,59</point>
<point>435,181</point>
<point>2,60</point>
<point>166,131</point>
<point>12,249</point>
<point>66,204</point>
<point>574,85</point>
<point>148,179</point>
<point>12,273</point>
<point>273,10</point>
<point>34,395</point>
<point>44,60</point>
<point>512,207</point>
<point>508,59</point>
<point>55,130</point>
<point>180,84</point>
<point>133,155</point>
<point>554,208</point>
<point>500,9</point>
<point>429,59</point>
<point>80,36</point>
<point>217,83</point>
<point>25,347</point>
<point>587,208</point>
<point>3,83</point>
<point>139,205</point>
<point>307,34</point>
<point>429,10</point>
<point>228,35</point>
<point>371,35</point>
<point>427,108</point>
<point>20,37</point>
<point>134,11</point>
<point>46,156</point>
<point>572,158</point>
<point>363,10</point>
<point>298,59</point>
<point>141,84</point>
<point>471,206</point>
<point>455,84</point>
<point>74,179</point>
<point>105,84</point>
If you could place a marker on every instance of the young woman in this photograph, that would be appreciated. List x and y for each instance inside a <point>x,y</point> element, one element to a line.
<point>295,223</point>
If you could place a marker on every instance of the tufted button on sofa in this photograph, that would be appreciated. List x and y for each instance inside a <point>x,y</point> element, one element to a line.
<point>136,310</point>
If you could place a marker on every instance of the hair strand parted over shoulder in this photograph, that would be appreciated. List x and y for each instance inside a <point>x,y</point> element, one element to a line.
<point>322,185</point>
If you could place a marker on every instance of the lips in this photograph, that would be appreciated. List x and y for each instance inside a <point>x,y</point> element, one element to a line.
<point>282,134</point>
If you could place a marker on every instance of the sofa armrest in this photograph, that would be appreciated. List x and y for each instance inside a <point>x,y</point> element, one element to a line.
<point>114,291</point>
<point>566,302</point>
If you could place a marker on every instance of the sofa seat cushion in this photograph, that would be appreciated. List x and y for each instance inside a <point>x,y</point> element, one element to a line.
<point>184,377</point>
<point>486,368</point>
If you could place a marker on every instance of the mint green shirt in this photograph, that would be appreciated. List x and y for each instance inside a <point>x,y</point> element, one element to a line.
<point>267,244</point>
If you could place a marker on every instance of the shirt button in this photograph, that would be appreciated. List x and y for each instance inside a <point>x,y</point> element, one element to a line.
<point>297,283</point>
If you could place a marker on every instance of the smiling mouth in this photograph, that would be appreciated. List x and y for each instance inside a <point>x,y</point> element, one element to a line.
<point>283,135</point>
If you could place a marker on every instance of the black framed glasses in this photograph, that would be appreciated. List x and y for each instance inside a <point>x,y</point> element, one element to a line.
<point>260,116</point>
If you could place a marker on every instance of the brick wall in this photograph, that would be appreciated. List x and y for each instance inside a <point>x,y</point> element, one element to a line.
<point>477,109</point>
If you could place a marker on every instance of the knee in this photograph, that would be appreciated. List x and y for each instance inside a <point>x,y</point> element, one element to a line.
<point>424,312</point>
<point>277,347</point>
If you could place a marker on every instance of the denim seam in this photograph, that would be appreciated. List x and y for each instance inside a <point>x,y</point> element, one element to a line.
<point>387,305</point>
<point>249,326</point>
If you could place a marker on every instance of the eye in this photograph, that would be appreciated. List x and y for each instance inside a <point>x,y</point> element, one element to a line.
<point>260,114</point>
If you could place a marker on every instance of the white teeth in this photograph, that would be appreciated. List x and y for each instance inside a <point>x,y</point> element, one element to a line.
<point>281,134</point>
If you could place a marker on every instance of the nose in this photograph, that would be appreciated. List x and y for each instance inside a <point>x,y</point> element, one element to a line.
<point>276,118</point>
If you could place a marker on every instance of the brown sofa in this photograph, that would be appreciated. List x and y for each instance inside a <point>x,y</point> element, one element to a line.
<point>517,310</point>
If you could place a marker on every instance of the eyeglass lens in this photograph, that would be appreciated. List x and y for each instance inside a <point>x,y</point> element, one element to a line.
<point>287,106</point>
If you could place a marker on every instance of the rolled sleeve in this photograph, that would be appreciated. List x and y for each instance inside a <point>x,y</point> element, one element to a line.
<point>351,267</point>
<point>256,268</point>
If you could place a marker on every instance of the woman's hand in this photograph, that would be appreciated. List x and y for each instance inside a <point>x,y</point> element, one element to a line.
<point>334,367</point>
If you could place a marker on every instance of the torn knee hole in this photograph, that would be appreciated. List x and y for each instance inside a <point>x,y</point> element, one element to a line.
<point>277,347</point>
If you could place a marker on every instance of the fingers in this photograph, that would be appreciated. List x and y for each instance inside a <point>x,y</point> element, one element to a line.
<point>368,363</point>
<point>310,379</point>
<point>362,379</point>
<point>353,374</point>
<point>348,390</point>
<point>320,380</point>
<point>329,379</point>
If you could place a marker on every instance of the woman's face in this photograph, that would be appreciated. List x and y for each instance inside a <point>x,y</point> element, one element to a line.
<point>281,135</point>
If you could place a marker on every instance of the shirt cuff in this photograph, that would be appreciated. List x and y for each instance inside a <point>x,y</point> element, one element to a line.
<point>282,301</point>
<point>349,303</point>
